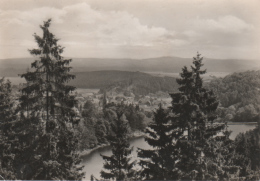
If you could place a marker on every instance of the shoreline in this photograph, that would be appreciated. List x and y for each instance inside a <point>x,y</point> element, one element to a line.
<point>136,134</point>
<point>239,123</point>
<point>90,150</point>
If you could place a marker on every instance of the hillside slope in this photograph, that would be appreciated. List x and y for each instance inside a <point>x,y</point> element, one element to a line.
<point>135,82</point>
<point>13,67</point>
<point>239,95</point>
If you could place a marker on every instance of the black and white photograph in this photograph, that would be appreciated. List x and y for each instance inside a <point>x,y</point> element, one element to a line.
<point>127,90</point>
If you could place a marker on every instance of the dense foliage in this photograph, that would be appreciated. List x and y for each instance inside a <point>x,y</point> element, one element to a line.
<point>45,146</point>
<point>194,112</point>
<point>238,94</point>
<point>7,134</point>
<point>118,166</point>
<point>247,149</point>
<point>158,163</point>
<point>188,144</point>
<point>120,81</point>
<point>93,127</point>
<point>95,124</point>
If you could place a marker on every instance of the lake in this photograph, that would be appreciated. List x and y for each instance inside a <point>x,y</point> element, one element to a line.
<point>93,162</point>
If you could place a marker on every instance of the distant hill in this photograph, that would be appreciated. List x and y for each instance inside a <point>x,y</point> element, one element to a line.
<point>13,67</point>
<point>239,95</point>
<point>124,81</point>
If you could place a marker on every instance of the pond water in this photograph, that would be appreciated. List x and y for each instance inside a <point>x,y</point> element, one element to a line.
<point>93,162</point>
<point>239,128</point>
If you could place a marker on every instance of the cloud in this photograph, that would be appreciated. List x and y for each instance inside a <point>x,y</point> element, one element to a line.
<point>113,27</point>
<point>94,27</point>
<point>168,27</point>
<point>221,31</point>
<point>224,24</point>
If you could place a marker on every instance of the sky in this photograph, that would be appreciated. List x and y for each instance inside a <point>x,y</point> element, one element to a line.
<point>134,28</point>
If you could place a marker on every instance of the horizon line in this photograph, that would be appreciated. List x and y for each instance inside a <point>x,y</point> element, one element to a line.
<point>138,58</point>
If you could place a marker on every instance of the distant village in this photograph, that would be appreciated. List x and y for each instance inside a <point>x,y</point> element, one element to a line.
<point>147,103</point>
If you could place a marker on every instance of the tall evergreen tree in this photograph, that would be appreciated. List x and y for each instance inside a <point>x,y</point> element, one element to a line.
<point>247,151</point>
<point>195,134</point>
<point>46,90</point>
<point>50,115</point>
<point>158,163</point>
<point>118,166</point>
<point>7,139</point>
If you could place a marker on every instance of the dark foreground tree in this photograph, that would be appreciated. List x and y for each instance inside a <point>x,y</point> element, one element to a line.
<point>247,149</point>
<point>119,165</point>
<point>196,136</point>
<point>46,130</point>
<point>158,163</point>
<point>7,134</point>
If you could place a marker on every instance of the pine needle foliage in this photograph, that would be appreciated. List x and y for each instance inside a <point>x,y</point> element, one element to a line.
<point>47,90</point>
<point>119,166</point>
<point>196,134</point>
<point>7,135</point>
<point>48,142</point>
<point>158,163</point>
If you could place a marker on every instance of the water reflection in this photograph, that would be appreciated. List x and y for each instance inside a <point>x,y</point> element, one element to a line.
<point>94,163</point>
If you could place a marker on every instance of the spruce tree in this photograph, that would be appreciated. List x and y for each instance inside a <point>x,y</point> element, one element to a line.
<point>47,128</point>
<point>247,151</point>
<point>118,166</point>
<point>158,163</point>
<point>7,139</point>
<point>47,90</point>
<point>194,109</point>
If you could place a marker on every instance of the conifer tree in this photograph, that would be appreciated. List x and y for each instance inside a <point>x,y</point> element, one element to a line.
<point>247,151</point>
<point>118,166</point>
<point>158,163</point>
<point>195,134</point>
<point>46,88</point>
<point>50,118</point>
<point>7,118</point>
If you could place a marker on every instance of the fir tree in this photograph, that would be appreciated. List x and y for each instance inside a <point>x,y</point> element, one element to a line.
<point>51,115</point>
<point>46,90</point>
<point>118,166</point>
<point>7,118</point>
<point>27,161</point>
<point>194,109</point>
<point>247,151</point>
<point>158,163</point>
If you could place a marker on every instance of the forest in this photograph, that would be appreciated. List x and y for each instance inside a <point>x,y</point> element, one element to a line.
<point>95,126</point>
<point>44,129</point>
<point>238,94</point>
<point>139,83</point>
